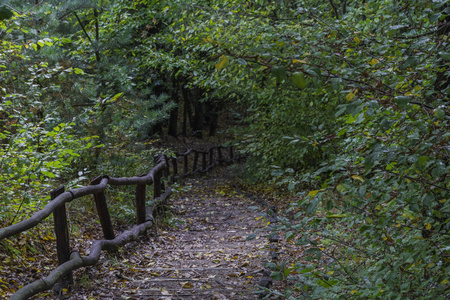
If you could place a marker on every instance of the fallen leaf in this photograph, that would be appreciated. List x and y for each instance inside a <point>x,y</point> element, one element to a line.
<point>186,285</point>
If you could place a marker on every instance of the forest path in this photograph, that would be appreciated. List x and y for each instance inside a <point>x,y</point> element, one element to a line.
<point>204,254</point>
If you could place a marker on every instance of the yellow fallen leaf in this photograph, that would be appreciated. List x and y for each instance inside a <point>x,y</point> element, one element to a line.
<point>356,177</point>
<point>164,291</point>
<point>351,95</point>
<point>356,39</point>
<point>445,281</point>
<point>354,291</point>
<point>335,216</point>
<point>222,63</point>
<point>313,193</point>
<point>299,61</point>
<point>186,285</point>
<point>373,61</point>
<point>428,226</point>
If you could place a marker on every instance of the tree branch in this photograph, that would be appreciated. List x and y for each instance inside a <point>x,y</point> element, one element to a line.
<point>82,27</point>
<point>335,9</point>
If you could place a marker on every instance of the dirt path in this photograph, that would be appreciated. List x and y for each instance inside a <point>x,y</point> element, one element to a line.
<point>205,254</point>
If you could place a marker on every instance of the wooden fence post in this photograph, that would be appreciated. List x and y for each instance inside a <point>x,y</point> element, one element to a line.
<point>186,166</point>
<point>140,202</point>
<point>219,152</point>
<point>211,156</point>
<point>157,185</point>
<point>195,161</point>
<point>103,212</point>
<point>166,170</point>
<point>204,161</point>
<point>61,232</point>
<point>175,168</point>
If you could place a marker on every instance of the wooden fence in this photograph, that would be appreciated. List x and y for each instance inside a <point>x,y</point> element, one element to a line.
<point>167,168</point>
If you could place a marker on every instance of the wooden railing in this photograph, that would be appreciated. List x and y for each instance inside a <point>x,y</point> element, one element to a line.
<point>68,262</point>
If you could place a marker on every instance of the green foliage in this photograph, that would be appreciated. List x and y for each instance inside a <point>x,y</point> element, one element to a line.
<point>348,103</point>
<point>37,149</point>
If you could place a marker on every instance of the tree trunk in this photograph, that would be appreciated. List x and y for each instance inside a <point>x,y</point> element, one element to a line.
<point>213,117</point>
<point>185,108</point>
<point>173,119</point>
<point>199,116</point>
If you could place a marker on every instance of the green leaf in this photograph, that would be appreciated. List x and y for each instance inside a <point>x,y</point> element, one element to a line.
<point>277,276</point>
<point>402,101</point>
<point>298,80</point>
<point>78,71</point>
<point>445,55</point>
<point>251,237</point>
<point>289,235</point>
<point>271,265</point>
<point>49,174</point>
<point>279,72</point>
<point>312,251</point>
<point>312,206</point>
<point>439,113</point>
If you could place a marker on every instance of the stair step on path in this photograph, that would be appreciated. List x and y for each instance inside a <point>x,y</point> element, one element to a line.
<point>205,255</point>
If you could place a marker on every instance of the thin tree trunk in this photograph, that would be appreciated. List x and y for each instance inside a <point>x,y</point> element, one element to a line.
<point>173,119</point>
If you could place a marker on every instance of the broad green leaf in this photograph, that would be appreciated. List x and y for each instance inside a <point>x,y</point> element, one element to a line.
<point>298,80</point>
<point>312,250</point>
<point>49,174</point>
<point>289,235</point>
<point>402,101</point>
<point>445,55</point>
<point>279,72</point>
<point>277,276</point>
<point>439,113</point>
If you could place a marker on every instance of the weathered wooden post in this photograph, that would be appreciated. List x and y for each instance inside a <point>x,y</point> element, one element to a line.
<point>195,161</point>
<point>211,156</point>
<point>103,212</point>
<point>61,232</point>
<point>186,166</point>
<point>204,161</point>
<point>157,185</point>
<point>140,202</point>
<point>166,171</point>
<point>175,168</point>
<point>219,152</point>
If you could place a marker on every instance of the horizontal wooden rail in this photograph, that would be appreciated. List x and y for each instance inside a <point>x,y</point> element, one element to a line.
<point>144,217</point>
